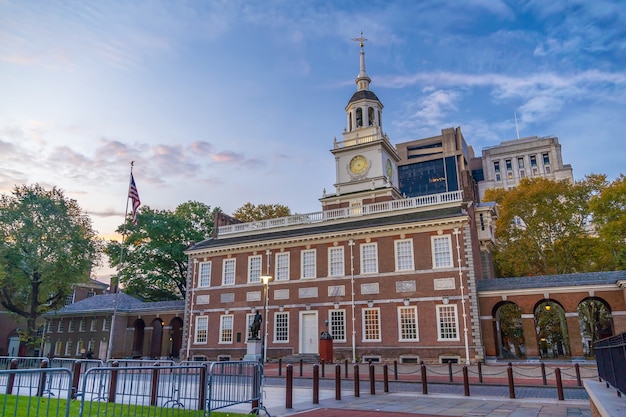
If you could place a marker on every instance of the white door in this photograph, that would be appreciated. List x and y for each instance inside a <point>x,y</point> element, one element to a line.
<point>308,332</point>
<point>102,352</point>
<point>14,345</point>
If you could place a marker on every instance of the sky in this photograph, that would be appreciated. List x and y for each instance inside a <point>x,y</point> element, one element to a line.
<point>228,102</point>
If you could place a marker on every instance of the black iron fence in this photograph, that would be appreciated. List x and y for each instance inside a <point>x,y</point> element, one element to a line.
<point>611,358</point>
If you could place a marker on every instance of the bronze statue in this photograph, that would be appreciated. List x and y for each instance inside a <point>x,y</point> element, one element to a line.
<point>255,327</point>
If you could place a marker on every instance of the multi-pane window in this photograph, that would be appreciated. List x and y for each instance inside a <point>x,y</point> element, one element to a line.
<point>282,266</point>
<point>228,272</point>
<point>226,328</point>
<point>404,255</point>
<point>69,299</point>
<point>202,327</point>
<point>371,325</point>
<point>80,347</point>
<point>94,325</point>
<point>533,160</point>
<point>337,325</point>
<point>71,326</point>
<point>546,158</point>
<point>61,326</point>
<point>69,348</point>
<point>91,345</point>
<point>335,262</point>
<point>496,166</point>
<point>205,274</point>
<point>520,163</point>
<point>369,258</point>
<point>442,251</point>
<point>281,327</point>
<point>448,328</point>
<point>49,329</point>
<point>308,263</point>
<point>106,324</point>
<point>254,268</point>
<point>90,293</point>
<point>407,323</point>
<point>509,165</point>
<point>57,348</point>
<point>82,325</point>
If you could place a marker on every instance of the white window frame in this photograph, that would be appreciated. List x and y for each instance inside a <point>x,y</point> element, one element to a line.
<point>201,330</point>
<point>229,266</point>
<point>370,327</point>
<point>106,324</point>
<point>336,261</point>
<point>443,318</point>
<point>94,325</point>
<point>281,272</point>
<point>91,345</point>
<point>71,327</point>
<point>227,324</point>
<point>80,345</point>
<point>281,327</point>
<point>60,326</point>
<point>58,347</point>
<point>255,266</point>
<point>204,274</point>
<point>438,261</point>
<point>337,325</point>
<point>69,348</point>
<point>403,255</point>
<point>367,262</point>
<point>308,268</point>
<point>407,317</point>
<point>82,325</point>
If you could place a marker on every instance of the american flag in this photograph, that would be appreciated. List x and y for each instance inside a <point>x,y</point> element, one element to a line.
<point>134,196</point>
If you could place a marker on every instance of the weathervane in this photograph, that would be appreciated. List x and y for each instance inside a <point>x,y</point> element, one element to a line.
<point>360,40</point>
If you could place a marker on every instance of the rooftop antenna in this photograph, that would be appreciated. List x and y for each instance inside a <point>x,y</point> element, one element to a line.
<point>516,128</point>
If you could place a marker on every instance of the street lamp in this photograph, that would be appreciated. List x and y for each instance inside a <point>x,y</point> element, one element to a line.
<point>266,282</point>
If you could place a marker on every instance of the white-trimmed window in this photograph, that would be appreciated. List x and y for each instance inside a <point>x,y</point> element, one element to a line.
<point>404,255</point>
<point>94,325</point>
<point>442,251</point>
<point>447,318</point>
<point>106,324</point>
<point>57,348</point>
<point>91,345</point>
<point>371,324</point>
<point>226,328</point>
<point>282,266</point>
<point>202,327</point>
<point>82,325</point>
<point>281,327</point>
<point>90,293</point>
<point>60,326</point>
<point>69,299</point>
<point>369,258</point>
<point>80,347</point>
<point>69,348</point>
<point>204,279</point>
<point>407,324</point>
<point>308,263</point>
<point>335,262</point>
<point>49,329</point>
<point>228,272</point>
<point>254,268</point>
<point>71,327</point>
<point>337,325</point>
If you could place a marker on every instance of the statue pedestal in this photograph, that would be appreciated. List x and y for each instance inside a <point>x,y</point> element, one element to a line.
<point>255,349</point>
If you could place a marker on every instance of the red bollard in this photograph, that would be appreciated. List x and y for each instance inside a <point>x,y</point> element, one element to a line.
<point>323,362</point>
<point>466,381</point>
<point>346,367</point>
<point>289,385</point>
<point>543,374</point>
<point>280,366</point>
<point>11,381</point>
<point>75,378</point>
<point>509,371</point>
<point>301,365</point>
<point>357,382</point>
<point>155,385</point>
<point>372,380</point>
<point>113,382</point>
<point>559,384</point>
<point>42,378</point>
<point>450,372</point>
<point>338,382</point>
<point>202,388</point>
<point>316,384</point>
<point>480,372</point>
<point>385,378</point>
<point>424,379</point>
<point>579,382</point>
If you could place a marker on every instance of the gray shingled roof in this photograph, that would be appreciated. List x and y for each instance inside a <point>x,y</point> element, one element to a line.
<point>105,303</point>
<point>331,227</point>
<point>363,95</point>
<point>547,281</point>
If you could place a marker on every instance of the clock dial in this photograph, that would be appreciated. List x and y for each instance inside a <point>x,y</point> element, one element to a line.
<point>358,165</point>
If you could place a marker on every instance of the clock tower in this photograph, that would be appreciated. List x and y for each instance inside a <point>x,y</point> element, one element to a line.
<point>365,161</point>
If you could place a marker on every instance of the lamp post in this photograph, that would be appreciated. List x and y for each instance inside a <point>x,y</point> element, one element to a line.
<point>266,283</point>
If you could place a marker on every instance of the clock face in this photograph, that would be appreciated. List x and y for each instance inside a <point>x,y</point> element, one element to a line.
<point>389,169</point>
<point>358,165</point>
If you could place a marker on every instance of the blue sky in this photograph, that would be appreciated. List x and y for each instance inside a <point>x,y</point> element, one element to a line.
<point>227,102</point>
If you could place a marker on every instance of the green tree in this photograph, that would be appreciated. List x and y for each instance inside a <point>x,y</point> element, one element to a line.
<point>543,227</point>
<point>47,245</point>
<point>250,212</point>
<point>154,264</point>
<point>509,317</point>
<point>609,218</point>
<point>595,321</point>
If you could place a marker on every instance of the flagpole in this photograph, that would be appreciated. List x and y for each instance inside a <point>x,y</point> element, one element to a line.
<point>119,269</point>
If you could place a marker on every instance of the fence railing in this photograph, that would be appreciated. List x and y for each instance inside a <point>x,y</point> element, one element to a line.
<point>232,383</point>
<point>611,359</point>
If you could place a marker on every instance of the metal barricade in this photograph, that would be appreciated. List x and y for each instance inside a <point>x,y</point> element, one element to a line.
<point>232,383</point>
<point>129,387</point>
<point>611,359</point>
<point>24,362</point>
<point>28,392</point>
<point>141,362</point>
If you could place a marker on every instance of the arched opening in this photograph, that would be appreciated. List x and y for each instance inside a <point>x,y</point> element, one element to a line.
<point>359,117</point>
<point>176,337</point>
<point>509,331</point>
<point>138,338</point>
<point>594,318</point>
<point>370,116</point>
<point>157,338</point>
<point>552,334</point>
